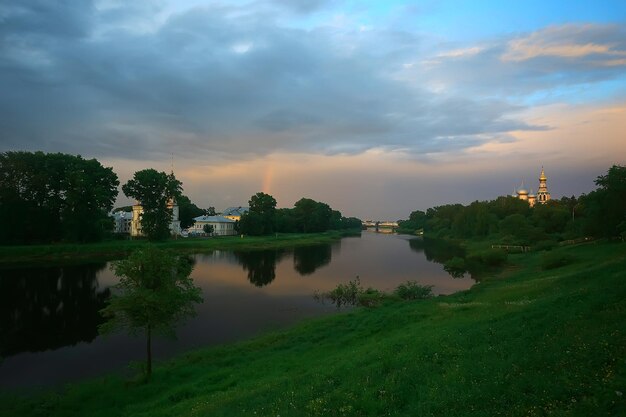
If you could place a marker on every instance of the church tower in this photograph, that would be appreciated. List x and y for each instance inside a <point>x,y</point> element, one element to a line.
<point>543,195</point>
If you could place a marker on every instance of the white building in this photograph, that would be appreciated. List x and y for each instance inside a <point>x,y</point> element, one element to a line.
<point>122,221</point>
<point>135,226</point>
<point>222,226</point>
<point>235,213</point>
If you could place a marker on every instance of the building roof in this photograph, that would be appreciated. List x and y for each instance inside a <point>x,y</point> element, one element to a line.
<point>122,215</point>
<point>213,219</point>
<point>236,211</point>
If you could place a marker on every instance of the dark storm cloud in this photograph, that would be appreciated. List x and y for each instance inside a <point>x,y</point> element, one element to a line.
<point>227,81</point>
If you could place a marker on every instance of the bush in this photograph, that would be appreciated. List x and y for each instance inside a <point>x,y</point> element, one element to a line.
<point>545,245</point>
<point>553,260</point>
<point>370,298</point>
<point>411,290</point>
<point>343,294</point>
<point>490,257</point>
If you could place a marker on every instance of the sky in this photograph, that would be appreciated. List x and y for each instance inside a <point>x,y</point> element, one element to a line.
<point>377,108</point>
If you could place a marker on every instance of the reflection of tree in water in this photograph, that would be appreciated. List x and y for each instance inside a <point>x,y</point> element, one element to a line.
<point>307,259</point>
<point>261,265</point>
<point>437,250</point>
<point>49,307</point>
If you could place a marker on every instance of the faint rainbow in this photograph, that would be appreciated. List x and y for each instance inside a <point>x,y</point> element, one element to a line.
<point>267,179</point>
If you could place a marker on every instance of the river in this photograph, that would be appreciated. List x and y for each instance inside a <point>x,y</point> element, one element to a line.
<point>49,315</point>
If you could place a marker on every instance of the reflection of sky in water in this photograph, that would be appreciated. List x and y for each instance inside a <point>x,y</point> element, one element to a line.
<point>235,309</point>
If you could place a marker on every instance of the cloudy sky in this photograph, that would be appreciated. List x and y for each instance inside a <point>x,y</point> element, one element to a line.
<point>375,107</point>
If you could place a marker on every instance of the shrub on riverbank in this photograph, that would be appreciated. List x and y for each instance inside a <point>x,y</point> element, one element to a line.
<point>411,290</point>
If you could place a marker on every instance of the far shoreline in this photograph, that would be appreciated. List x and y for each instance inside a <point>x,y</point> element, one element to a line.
<point>23,255</point>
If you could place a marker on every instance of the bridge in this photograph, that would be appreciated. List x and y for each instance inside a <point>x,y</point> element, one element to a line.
<point>378,225</point>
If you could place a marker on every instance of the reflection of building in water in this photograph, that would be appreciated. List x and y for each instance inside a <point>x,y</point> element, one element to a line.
<point>542,196</point>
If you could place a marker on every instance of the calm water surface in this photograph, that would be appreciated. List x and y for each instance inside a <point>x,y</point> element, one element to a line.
<point>49,316</point>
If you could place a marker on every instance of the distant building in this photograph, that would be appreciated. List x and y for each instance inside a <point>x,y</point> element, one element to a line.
<point>122,221</point>
<point>542,197</point>
<point>135,226</point>
<point>222,226</point>
<point>235,213</point>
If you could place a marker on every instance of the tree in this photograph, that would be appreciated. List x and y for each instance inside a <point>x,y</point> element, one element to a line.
<point>50,197</point>
<point>208,229</point>
<point>187,212</point>
<point>606,205</point>
<point>210,211</point>
<point>312,216</point>
<point>155,292</point>
<point>154,190</point>
<point>259,220</point>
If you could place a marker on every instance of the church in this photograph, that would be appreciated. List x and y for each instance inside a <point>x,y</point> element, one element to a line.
<point>542,196</point>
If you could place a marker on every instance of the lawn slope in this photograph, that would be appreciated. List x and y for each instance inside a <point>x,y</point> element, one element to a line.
<point>527,342</point>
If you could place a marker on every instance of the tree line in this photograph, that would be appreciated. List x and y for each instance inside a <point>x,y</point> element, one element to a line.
<point>307,216</point>
<point>601,213</point>
<point>54,197</point>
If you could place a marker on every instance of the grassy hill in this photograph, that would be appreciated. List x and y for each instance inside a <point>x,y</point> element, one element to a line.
<point>527,342</point>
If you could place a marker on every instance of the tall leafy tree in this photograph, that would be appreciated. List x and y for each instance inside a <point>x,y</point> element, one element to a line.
<point>51,197</point>
<point>312,216</point>
<point>154,294</point>
<point>261,217</point>
<point>153,190</point>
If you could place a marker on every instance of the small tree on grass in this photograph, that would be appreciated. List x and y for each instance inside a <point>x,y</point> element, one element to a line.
<point>208,229</point>
<point>155,292</point>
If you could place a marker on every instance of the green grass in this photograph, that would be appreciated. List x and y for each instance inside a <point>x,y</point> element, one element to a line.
<point>118,248</point>
<point>527,342</point>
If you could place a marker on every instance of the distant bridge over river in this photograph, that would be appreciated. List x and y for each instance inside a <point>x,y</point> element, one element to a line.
<point>381,226</point>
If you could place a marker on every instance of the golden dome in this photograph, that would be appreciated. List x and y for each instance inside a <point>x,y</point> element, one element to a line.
<point>542,177</point>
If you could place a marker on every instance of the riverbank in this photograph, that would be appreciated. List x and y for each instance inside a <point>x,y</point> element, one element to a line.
<point>532,340</point>
<point>15,255</point>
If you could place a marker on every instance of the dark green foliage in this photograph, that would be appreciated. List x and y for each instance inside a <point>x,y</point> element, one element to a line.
<point>154,190</point>
<point>187,211</point>
<point>52,197</point>
<point>605,208</point>
<point>343,294</point>
<point>489,258</point>
<point>412,290</point>
<point>154,294</point>
<point>416,222</point>
<point>370,298</point>
<point>312,216</point>
<point>553,260</point>
<point>208,229</point>
<point>545,245</point>
<point>307,216</point>
<point>260,219</point>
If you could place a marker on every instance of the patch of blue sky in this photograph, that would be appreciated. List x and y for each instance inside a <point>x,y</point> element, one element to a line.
<point>589,93</point>
<point>477,19</point>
